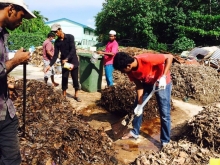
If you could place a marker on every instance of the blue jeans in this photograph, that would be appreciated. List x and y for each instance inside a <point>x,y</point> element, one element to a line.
<point>108,74</point>
<point>163,100</point>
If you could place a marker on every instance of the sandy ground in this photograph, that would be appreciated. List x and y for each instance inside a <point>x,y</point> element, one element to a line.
<point>127,150</point>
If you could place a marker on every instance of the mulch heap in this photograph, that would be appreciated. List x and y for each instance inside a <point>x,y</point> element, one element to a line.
<point>197,82</point>
<point>133,51</point>
<point>37,57</point>
<point>54,135</point>
<point>119,99</point>
<point>197,145</point>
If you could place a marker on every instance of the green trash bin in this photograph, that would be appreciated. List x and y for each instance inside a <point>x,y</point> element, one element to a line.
<point>90,73</point>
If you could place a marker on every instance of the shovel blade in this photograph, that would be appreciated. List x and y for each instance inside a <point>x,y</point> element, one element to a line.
<point>120,127</point>
<point>118,130</point>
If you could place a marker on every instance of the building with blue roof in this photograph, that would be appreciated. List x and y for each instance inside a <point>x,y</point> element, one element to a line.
<point>84,35</point>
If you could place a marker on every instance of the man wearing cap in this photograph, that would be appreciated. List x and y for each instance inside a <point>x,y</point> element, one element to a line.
<point>109,53</point>
<point>66,45</point>
<point>12,12</point>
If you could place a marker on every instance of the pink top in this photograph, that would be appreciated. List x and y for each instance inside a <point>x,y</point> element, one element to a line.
<point>47,45</point>
<point>111,47</point>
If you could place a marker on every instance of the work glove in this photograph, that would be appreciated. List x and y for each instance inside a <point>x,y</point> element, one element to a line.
<point>138,110</point>
<point>162,82</point>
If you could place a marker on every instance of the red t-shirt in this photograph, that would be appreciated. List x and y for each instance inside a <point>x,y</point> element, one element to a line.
<point>150,68</point>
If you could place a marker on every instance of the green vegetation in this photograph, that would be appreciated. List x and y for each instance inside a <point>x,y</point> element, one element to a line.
<point>159,24</point>
<point>31,33</point>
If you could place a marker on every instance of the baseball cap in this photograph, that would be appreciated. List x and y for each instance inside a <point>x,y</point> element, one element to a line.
<point>55,27</point>
<point>21,3</point>
<point>112,32</point>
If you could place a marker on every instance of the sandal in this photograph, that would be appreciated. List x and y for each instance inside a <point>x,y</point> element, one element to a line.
<point>77,99</point>
<point>129,136</point>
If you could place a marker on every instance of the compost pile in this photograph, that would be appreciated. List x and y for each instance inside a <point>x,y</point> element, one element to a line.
<point>196,146</point>
<point>119,99</point>
<point>200,83</point>
<point>133,51</point>
<point>120,77</point>
<point>54,135</point>
<point>37,57</point>
<point>182,152</point>
<point>204,128</point>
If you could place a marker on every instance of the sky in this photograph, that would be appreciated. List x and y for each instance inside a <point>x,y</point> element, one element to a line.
<point>81,11</point>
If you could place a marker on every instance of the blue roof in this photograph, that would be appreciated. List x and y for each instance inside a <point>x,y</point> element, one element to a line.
<point>68,20</point>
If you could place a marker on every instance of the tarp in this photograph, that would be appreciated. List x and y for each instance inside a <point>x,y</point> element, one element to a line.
<point>215,58</point>
<point>198,51</point>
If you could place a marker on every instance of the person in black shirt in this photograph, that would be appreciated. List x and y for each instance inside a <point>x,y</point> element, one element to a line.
<point>66,45</point>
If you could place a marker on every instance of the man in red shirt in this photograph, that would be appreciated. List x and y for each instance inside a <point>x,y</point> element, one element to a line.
<point>48,52</point>
<point>109,53</point>
<point>145,70</point>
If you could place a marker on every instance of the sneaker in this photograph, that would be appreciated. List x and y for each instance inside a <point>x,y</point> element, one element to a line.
<point>165,144</point>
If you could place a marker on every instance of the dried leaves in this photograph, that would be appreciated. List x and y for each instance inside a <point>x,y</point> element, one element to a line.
<point>196,146</point>
<point>54,135</point>
<point>178,153</point>
<point>200,83</point>
<point>204,128</point>
<point>133,51</point>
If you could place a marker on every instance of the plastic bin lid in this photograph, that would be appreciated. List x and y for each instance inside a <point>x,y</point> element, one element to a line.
<point>87,55</point>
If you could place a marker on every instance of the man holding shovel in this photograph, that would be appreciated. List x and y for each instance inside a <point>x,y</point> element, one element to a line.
<point>11,14</point>
<point>145,70</point>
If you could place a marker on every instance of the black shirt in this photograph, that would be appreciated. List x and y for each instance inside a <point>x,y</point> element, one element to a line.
<point>68,50</point>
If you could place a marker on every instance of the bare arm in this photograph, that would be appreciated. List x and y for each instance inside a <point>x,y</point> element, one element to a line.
<point>168,62</point>
<point>49,53</point>
<point>102,53</point>
<point>109,54</point>
<point>112,53</point>
<point>140,90</point>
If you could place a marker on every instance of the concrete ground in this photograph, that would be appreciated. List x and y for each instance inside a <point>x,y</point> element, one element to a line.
<point>127,150</point>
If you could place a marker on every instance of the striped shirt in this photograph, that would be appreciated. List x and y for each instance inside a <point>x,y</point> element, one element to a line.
<point>5,102</point>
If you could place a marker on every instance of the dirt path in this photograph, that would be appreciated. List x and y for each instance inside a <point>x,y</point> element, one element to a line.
<point>98,118</point>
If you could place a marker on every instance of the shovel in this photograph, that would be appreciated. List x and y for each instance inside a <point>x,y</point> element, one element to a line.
<point>120,127</point>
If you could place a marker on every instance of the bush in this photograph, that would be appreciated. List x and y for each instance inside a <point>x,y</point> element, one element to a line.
<point>182,44</point>
<point>25,40</point>
<point>157,46</point>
